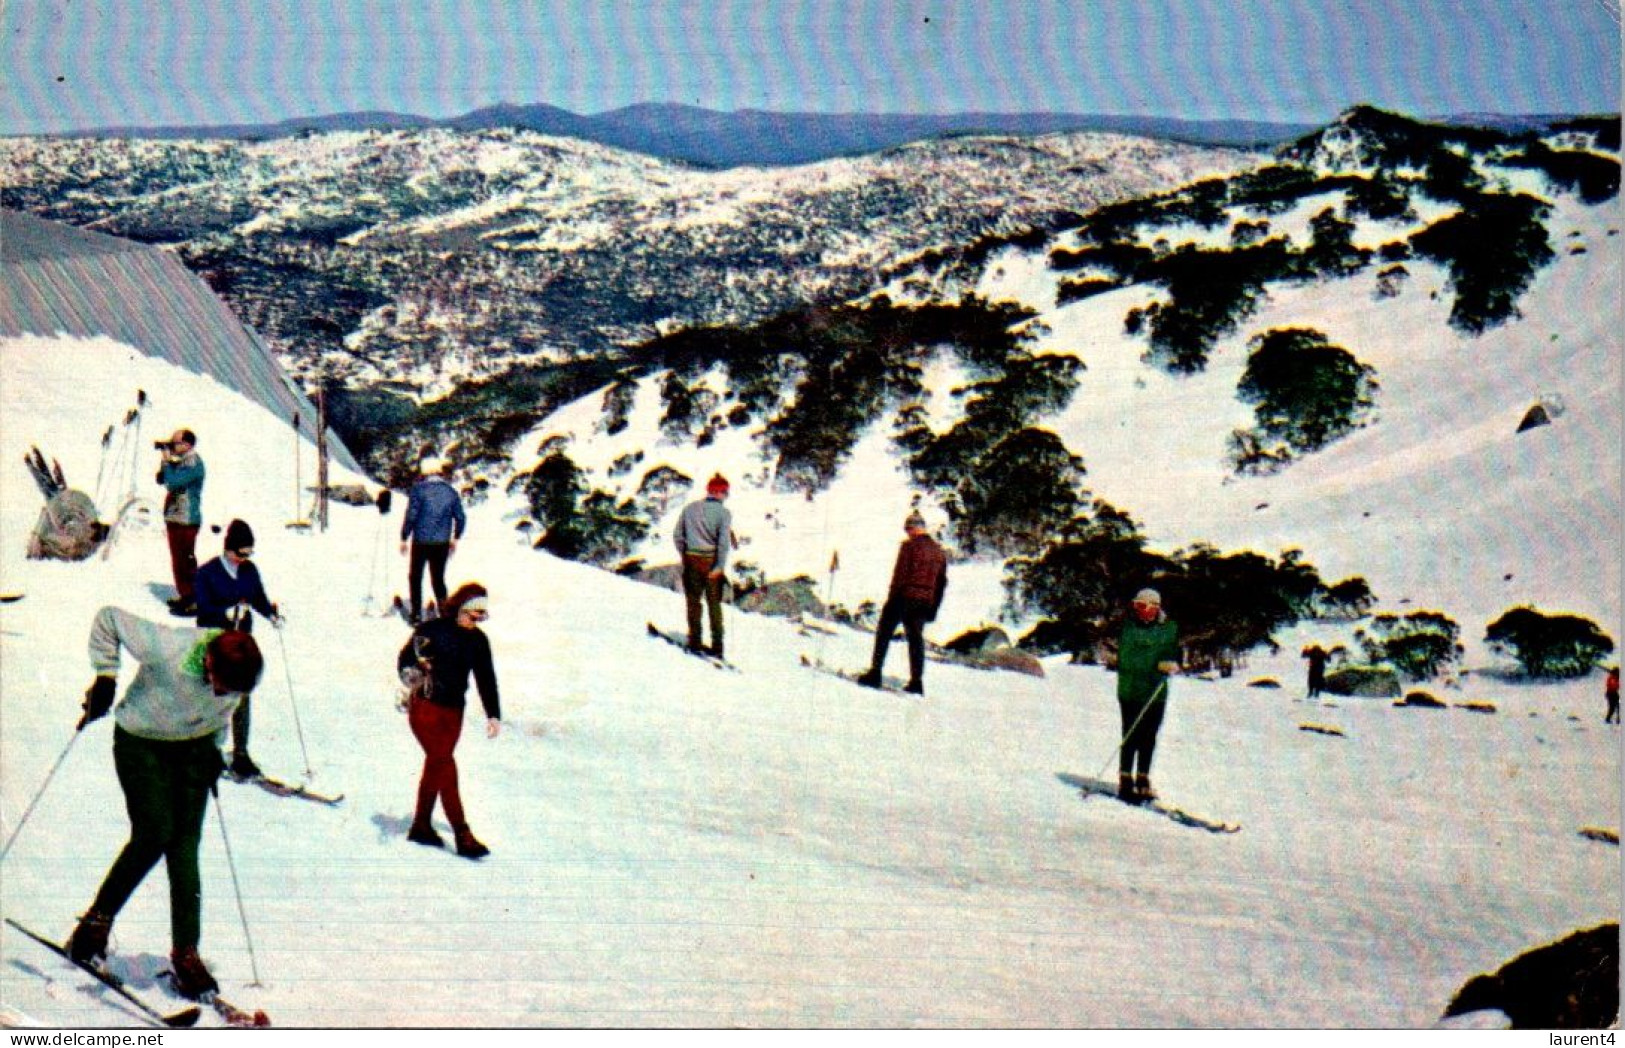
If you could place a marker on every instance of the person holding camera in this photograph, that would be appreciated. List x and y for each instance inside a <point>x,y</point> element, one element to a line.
<point>181,474</point>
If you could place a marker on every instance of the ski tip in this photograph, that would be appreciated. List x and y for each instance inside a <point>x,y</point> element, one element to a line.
<point>184,1019</point>
<point>654,631</point>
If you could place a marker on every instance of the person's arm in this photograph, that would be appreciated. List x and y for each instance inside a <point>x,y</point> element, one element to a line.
<point>485,679</point>
<point>177,476</point>
<point>459,519</point>
<point>409,519</point>
<point>724,541</point>
<point>257,598</point>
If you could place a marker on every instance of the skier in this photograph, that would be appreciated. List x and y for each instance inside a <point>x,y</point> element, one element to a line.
<point>434,521</point>
<point>703,538</point>
<point>1147,652</point>
<point>1610,692</point>
<point>1317,669</point>
<point>167,755</point>
<point>918,581</point>
<point>228,587</point>
<point>181,473</point>
<point>435,665</point>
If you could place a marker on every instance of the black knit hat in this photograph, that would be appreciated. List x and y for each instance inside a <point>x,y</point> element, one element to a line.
<point>239,536</point>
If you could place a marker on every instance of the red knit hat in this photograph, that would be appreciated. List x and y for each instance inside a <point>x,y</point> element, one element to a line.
<point>717,484</point>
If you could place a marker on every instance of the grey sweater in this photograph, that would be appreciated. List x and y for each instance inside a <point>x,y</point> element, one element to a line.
<point>704,528</point>
<point>169,699</point>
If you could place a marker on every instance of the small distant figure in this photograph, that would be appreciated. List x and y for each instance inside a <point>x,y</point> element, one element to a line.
<point>1610,691</point>
<point>229,591</point>
<point>181,473</point>
<point>1147,653</point>
<point>433,522</point>
<point>435,666</point>
<point>1317,669</point>
<point>918,581</point>
<point>704,537</point>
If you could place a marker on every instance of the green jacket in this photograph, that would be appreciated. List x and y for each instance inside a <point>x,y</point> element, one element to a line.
<point>1139,650</point>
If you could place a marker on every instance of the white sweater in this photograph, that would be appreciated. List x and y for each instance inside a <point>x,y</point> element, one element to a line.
<point>169,699</point>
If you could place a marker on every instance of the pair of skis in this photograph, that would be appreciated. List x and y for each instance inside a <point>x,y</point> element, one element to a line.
<point>183,1019</point>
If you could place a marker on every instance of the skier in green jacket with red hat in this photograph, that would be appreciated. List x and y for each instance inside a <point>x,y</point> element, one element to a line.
<point>1147,652</point>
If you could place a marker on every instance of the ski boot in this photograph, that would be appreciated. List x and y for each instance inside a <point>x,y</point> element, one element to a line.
<point>188,973</point>
<point>424,834</point>
<point>88,942</point>
<point>870,678</point>
<point>1142,788</point>
<point>469,846</point>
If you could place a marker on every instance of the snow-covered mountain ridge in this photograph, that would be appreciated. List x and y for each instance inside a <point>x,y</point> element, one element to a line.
<point>425,258</point>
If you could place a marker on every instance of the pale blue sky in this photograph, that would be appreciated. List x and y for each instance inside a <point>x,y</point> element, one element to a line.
<point>74,64</point>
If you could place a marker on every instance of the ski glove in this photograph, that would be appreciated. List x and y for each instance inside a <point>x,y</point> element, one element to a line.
<point>98,699</point>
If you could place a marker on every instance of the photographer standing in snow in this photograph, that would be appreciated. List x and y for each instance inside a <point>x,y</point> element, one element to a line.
<point>181,473</point>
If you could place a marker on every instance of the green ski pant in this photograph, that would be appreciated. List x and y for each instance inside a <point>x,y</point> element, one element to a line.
<point>166,791</point>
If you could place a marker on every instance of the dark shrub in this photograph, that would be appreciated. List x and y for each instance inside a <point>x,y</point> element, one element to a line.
<point>1549,645</point>
<point>1492,250</point>
<point>1420,646</point>
<point>1304,391</point>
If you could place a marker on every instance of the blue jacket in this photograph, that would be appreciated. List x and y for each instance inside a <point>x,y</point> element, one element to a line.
<point>434,512</point>
<point>218,593</point>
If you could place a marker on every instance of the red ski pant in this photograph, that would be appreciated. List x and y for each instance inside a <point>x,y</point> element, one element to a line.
<point>437,729</point>
<point>183,556</point>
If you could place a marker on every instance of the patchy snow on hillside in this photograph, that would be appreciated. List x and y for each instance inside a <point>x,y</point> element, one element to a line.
<point>678,846</point>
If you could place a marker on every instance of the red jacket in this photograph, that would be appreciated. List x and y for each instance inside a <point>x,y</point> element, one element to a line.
<point>921,574</point>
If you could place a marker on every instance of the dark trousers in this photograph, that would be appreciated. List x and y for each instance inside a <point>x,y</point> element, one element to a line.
<point>239,728</point>
<point>437,729</point>
<point>166,791</point>
<point>183,557</point>
<point>912,616</point>
<point>699,585</point>
<point>1141,722</point>
<point>1612,716</point>
<point>434,555</point>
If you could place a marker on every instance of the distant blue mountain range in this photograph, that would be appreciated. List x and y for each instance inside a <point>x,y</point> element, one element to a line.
<point>710,138</point>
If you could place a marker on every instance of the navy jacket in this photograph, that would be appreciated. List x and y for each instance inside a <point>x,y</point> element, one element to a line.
<point>434,512</point>
<point>218,593</point>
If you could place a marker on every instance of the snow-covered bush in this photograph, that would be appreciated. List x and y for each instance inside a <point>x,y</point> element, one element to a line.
<point>1421,645</point>
<point>1549,645</point>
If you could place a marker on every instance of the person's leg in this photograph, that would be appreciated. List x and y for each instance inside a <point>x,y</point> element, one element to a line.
<point>713,604</point>
<point>193,771</point>
<point>695,570</point>
<point>437,729</point>
<point>139,766</point>
<point>414,579</point>
<point>1146,747</point>
<point>891,616</point>
<point>183,558</point>
<point>437,555</point>
<point>914,630</point>
<point>241,719</point>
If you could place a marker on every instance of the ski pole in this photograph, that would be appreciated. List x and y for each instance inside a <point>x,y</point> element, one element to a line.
<point>35,802</point>
<point>297,727</point>
<point>1126,735</point>
<point>231,863</point>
